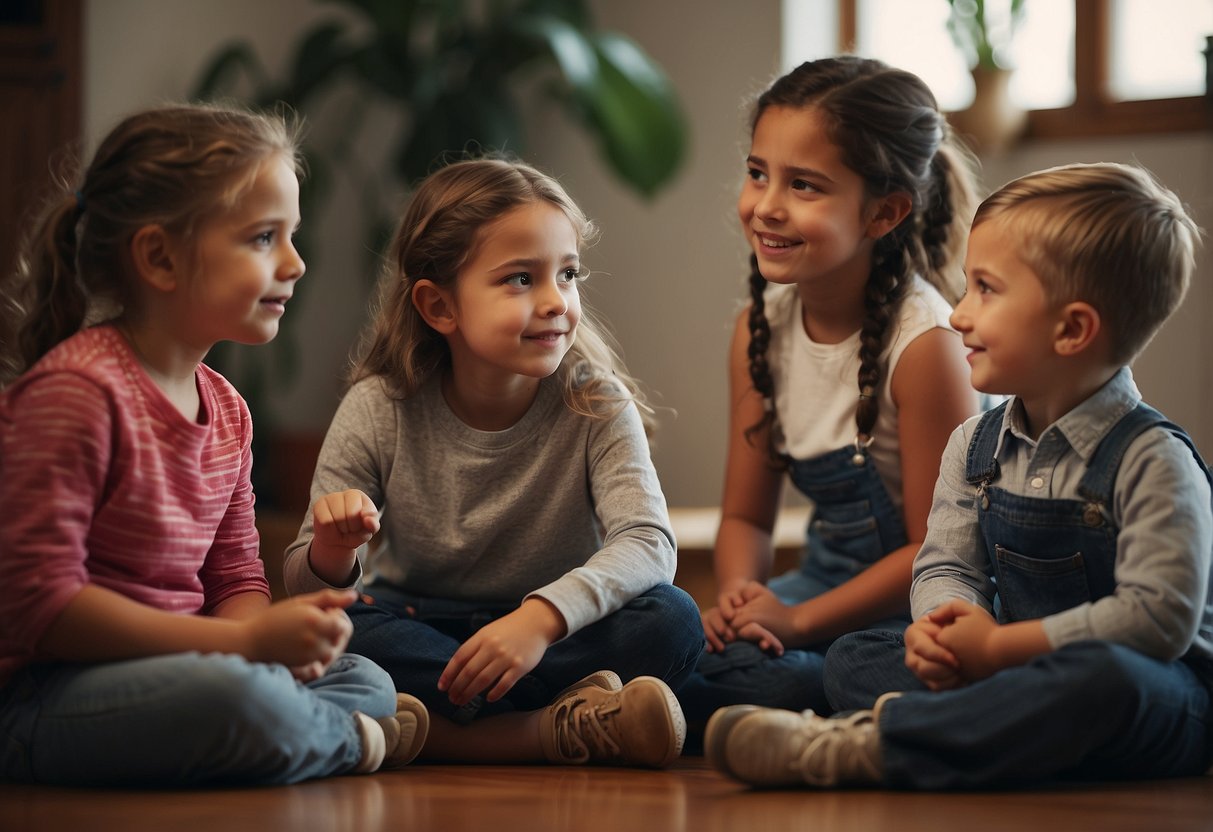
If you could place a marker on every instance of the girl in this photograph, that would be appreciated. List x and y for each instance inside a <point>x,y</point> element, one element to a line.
<point>138,644</point>
<point>844,373</point>
<point>526,543</point>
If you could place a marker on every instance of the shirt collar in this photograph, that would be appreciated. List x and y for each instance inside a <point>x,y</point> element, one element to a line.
<point>1084,426</point>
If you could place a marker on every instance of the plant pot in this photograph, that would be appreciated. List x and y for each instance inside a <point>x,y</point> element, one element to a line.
<point>992,123</point>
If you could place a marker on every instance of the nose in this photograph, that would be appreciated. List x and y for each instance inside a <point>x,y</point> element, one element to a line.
<point>293,266</point>
<point>552,302</point>
<point>960,319</point>
<point>770,207</point>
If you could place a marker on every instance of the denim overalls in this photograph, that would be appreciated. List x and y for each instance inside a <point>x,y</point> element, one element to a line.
<point>1091,709</point>
<point>854,523</point>
<point>1052,555</point>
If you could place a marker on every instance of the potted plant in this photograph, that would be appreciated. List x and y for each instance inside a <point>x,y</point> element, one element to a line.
<point>993,121</point>
<point>453,71</point>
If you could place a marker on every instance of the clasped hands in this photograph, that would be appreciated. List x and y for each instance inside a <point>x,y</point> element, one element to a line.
<point>952,645</point>
<point>750,611</point>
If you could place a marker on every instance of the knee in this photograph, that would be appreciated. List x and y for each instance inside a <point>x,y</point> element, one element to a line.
<point>676,616</point>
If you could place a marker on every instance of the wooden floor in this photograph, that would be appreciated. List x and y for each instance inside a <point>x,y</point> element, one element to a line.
<point>690,796</point>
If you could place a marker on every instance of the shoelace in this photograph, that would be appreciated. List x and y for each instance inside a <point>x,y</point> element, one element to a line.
<point>835,749</point>
<point>579,727</point>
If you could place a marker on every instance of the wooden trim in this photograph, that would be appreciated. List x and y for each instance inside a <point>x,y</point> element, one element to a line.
<point>848,25</point>
<point>1093,113</point>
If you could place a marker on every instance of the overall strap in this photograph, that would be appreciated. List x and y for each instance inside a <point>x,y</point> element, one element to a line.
<point>1100,478</point>
<point>980,464</point>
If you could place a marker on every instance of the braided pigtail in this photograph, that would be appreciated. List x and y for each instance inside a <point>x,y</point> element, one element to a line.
<point>760,368</point>
<point>945,219</point>
<point>882,298</point>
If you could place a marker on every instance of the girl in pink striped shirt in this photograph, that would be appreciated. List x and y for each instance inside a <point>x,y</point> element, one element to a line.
<point>138,644</point>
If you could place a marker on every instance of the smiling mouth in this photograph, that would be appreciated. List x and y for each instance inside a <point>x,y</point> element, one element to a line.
<point>767,242</point>
<point>546,336</point>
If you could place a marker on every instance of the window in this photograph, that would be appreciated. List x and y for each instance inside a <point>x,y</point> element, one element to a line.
<point>1083,68</point>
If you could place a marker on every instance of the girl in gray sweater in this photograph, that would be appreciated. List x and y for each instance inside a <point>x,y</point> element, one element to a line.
<point>492,438</point>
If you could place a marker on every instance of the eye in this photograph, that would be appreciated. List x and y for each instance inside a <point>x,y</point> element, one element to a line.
<point>573,274</point>
<point>756,175</point>
<point>264,239</point>
<point>518,280</point>
<point>983,288</point>
<point>803,185</point>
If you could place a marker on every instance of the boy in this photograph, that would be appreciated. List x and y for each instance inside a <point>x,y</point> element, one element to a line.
<point>1062,595</point>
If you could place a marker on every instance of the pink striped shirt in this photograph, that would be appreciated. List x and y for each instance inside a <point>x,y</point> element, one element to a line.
<point>103,481</point>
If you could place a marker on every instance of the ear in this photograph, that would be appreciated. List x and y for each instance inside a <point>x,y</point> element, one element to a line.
<point>435,305</point>
<point>1078,326</point>
<point>156,260</point>
<point>888,212</point>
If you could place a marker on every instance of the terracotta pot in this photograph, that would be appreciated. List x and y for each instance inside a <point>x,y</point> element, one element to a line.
<point>992,123</point>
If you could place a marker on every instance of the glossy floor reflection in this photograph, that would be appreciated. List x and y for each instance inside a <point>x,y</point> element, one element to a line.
<point>688,797</point>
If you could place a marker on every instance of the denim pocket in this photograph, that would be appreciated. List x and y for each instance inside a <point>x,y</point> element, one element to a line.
<point>1033,587</point>
<point>845,536</point>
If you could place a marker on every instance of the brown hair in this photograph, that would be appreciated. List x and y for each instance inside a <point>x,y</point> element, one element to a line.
<point>1107,234</point>
<point>433,241</point>
<point>891,133</point>
<point>170,166</point>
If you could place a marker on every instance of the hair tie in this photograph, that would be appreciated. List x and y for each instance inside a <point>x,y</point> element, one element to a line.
<point>866,393</point>
<point>79,202</point>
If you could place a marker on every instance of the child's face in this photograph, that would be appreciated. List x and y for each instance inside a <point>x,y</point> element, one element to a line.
<point>247,264</point>
<point>1007,322</point>
<point>801,208</point>
<point>516,300</point>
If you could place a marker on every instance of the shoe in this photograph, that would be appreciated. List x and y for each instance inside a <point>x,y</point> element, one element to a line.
<point>405,733</point>
<point>768,747</point>
<point>607,680</point>
<point>640,724</point>
<point>717,731</point>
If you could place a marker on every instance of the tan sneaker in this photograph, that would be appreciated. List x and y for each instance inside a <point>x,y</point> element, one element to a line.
<point>405,733</point>
<point>639,724</point>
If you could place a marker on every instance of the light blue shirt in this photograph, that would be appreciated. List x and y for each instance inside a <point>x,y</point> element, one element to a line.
<point>1161,504</point>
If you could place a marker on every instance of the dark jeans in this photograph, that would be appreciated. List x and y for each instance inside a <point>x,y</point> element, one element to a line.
<point>656,634</point>
<point>1090,710</point>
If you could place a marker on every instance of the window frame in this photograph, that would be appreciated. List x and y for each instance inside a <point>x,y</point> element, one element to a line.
<point>1093,113</point>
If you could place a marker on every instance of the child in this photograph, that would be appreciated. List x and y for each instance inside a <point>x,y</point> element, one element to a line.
<point>526,543</point>
<point>138,645</point>
<point>844,374</point>
<point>1062,594</point>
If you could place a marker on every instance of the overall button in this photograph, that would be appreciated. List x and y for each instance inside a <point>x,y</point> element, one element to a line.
<point>1091,515</point>
<point>1037,482</point>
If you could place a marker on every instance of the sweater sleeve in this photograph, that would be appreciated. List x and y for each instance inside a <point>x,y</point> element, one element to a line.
<point>348,459</point>
<point>56,448</point>
<point>1161,504</point>
<point>952,562</point>
<point>638,551</point>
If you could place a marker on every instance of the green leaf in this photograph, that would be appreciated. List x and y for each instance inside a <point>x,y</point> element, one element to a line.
<point>219,76</point>
<point>320,58</point>
<point>635,115</point>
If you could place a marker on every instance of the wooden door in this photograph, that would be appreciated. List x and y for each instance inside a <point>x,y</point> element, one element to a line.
<point>40,105</point>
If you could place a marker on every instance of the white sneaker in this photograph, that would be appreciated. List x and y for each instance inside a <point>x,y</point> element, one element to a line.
<point>770,747</point>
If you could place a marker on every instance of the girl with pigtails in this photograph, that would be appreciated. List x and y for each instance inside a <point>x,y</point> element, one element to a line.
<point>844,372</point>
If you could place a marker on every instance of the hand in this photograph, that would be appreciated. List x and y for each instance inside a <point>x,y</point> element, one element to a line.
<point>716,631</point>
<point>764,619</point>
<point>345,519</point>
<point>306,633</point>
<point>501,652</point>
<point>968,632</point>
<point>934,665</point>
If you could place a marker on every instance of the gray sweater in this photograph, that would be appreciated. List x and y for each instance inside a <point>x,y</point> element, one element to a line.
<point>560,506</point>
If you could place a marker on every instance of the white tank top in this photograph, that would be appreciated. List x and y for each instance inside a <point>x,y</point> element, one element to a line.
<point>816,387</point>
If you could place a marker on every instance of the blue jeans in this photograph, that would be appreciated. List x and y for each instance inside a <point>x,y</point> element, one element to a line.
<point>413,638</point>
<point>185,719</point>
<point>854,524</point>
<point>1090,710</point>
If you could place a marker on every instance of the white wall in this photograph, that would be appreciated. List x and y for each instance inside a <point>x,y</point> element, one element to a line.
<point>671,271</point>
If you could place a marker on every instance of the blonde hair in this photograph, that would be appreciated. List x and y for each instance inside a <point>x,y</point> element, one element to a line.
<point>171,166</point>
<point>433,241</point>
<point>1108,234</point>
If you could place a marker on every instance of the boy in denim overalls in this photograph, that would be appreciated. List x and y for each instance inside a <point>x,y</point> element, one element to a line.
<point>1061,598</point>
